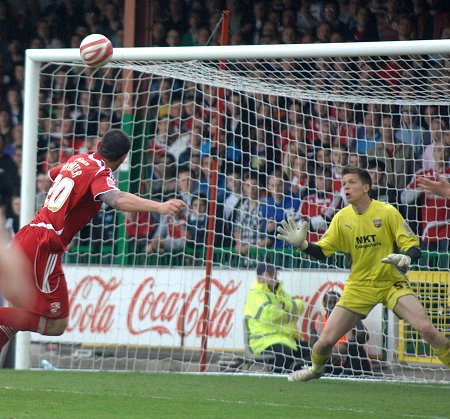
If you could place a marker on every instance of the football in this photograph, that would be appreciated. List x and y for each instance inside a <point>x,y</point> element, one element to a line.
<point>96,50</point>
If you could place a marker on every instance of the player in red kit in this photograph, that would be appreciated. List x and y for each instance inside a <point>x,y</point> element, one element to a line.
<point>80,186</point>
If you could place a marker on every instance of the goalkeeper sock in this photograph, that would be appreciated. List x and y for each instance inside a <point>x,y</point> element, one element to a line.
<point>443,354</point>
<point>318,361</point>
<point>20,319</point>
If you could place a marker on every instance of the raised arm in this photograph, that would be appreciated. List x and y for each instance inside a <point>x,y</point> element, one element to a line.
<point>289,232</point>
<point>440,187</point>
<point>128,202</point>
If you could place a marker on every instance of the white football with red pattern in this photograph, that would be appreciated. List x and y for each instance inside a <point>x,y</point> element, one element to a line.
<point>96,50</point>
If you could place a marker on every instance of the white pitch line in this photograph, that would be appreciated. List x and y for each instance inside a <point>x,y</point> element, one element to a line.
<point>85,393</point>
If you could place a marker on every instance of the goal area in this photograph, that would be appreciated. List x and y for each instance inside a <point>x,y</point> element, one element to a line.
<point>246,136</point>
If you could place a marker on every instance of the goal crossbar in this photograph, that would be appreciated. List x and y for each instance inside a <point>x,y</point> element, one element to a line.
<point>231,52</point>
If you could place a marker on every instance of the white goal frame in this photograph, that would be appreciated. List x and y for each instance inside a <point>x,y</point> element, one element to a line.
<point>34,59</point>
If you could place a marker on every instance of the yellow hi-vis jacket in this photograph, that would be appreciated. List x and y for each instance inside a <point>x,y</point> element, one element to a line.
<point>271,317</point>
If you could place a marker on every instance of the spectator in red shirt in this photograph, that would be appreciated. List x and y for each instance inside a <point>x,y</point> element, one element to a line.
<point>319,208</point>
<point>140,228</point>
<point>170,235</point>
<point>345,124</point>
<point>435,211</point>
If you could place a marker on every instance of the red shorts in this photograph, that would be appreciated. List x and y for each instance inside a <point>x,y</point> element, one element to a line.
<point>42,248</point>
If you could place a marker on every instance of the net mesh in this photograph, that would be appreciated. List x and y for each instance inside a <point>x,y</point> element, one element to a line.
<point>384,80</point>
<point>284,130</point>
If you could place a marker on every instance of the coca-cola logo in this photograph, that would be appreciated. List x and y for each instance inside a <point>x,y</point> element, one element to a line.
<point>90,306</point>
<point>151,310</point>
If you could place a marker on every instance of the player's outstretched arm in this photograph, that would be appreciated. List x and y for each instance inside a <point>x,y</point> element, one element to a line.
<point>128,202</point>
<point>440,187</point>
<point>289,233</point>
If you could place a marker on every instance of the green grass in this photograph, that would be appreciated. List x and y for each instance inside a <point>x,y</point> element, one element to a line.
<point>58,394</point>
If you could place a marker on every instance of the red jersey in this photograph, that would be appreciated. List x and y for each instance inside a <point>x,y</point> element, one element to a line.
<point>173,227</point>
<point>337,183</point>
<point>140,226</point>
<point>435,211</point>
<point>286,137</point>
<point>346,133</point>
<point>314,208</point>
<point>313,130</point>
<point>73,199</point>
<point>391,72</point>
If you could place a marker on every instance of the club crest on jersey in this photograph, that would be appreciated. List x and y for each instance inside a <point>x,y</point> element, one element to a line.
<point>377,223</point>
<point>55,307</point>
<point>111,182</point>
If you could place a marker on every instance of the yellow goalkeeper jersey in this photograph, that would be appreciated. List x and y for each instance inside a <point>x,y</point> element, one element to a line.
<point>367,238</point>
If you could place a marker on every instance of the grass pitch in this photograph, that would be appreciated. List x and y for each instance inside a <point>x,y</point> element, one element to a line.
<point>58,394</point>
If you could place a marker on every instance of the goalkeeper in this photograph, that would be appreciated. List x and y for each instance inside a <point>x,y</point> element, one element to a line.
<point>370,232</point>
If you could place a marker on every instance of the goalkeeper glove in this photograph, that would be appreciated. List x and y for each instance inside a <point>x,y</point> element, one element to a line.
<point>293,235</point>
<point>401,262</point>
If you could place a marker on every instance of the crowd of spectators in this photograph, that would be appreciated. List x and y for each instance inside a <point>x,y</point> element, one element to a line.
<point>276,156</point>
<point>307,21</point>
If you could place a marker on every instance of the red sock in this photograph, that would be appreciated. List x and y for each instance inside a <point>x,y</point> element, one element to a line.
<point>13,319</point>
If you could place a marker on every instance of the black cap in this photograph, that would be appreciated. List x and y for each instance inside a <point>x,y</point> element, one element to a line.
<point>265,267</point>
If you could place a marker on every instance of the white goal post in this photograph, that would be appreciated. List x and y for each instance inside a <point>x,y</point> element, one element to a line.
<point>277,88</point>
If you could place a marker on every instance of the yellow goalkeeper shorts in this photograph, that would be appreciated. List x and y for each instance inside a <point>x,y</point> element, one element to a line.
<point>362,299</point>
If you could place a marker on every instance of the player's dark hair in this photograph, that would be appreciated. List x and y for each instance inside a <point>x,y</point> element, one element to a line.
<point>115,144</point>
<point>363,174</point>
<point>184,168</point>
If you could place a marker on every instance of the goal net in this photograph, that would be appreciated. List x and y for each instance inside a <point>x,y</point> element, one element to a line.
<point>263,136</point>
